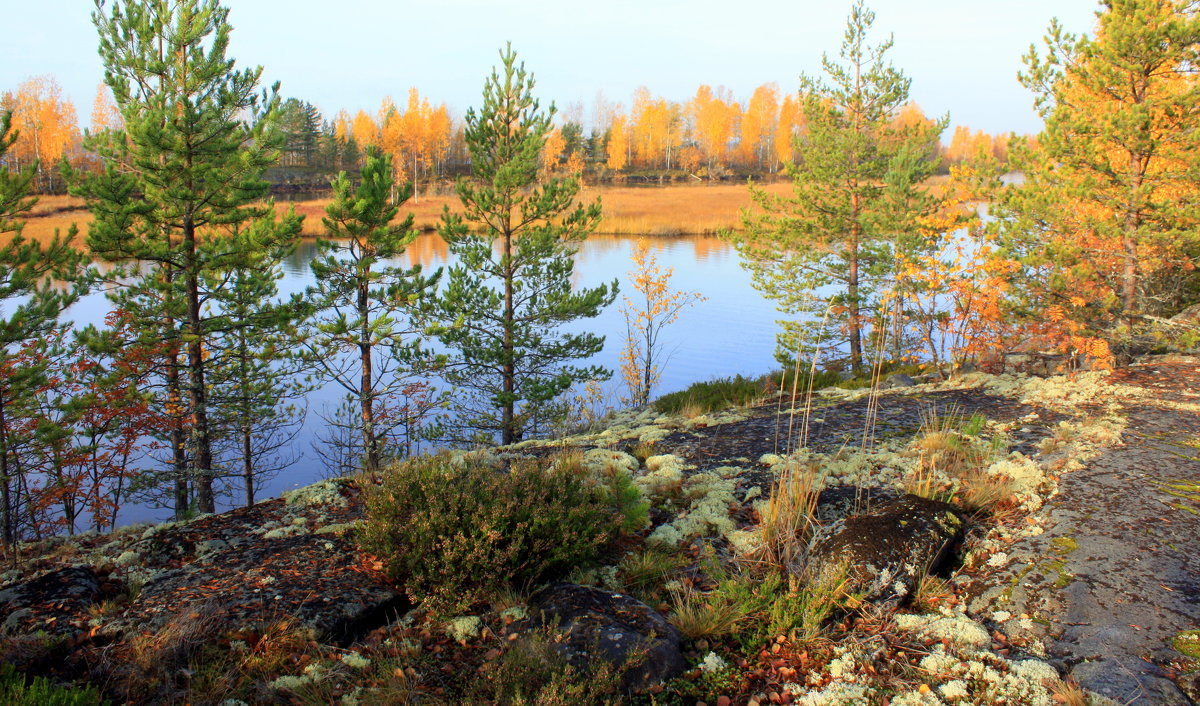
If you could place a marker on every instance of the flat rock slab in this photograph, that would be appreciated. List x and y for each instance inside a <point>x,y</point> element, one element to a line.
<point>176,545</point>
<point>887,551</point>
<point>56,602</point>
<point>1116,575</point>
<point>623,631</point>
<point>839,424</point>
<point>319,581</point>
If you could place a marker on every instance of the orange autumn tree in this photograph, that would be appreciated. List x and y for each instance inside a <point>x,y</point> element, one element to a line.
<point>954,287</point>
<point>1106,225</point>
<point>758,125</point>
<point>47,129</point>
<point>714,119</point>
<point>617,149</point>
<point>657,130</point>
<point>654,307</point>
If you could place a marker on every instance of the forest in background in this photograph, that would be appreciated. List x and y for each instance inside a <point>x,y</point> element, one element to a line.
<point>711,137</point>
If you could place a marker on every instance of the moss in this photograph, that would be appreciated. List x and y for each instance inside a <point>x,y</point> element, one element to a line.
<point>1065,545</point>
<point>1188,643</point>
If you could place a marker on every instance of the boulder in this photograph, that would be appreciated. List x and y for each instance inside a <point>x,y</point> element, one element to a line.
<point>317,581</point>
<point>836,504</point>
<point>1188,317</point>
<point>591,622</point>
<point>897,380</point>
<point>56,603</point>
<point>887,550</point>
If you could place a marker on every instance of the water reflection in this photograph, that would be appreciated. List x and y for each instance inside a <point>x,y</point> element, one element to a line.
<point>732,332</point>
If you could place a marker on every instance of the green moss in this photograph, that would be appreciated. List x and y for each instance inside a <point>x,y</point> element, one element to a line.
<point>1065,545</point>
<point>1188,643</point>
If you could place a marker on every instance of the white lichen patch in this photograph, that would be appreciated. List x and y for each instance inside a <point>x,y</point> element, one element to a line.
<point>965,634</point>
<point>339,528</point>
<point>664,474</point>
<point>464,628</point>
<point>609,461</point>
<point>326,492</point>
<point>285,531</point>
<point>713,662</point>
<point>745,542</point>
<point>985,678</point>
<point>1090,387</point>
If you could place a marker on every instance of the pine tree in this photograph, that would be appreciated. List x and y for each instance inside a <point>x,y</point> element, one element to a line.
<point>1106,220</point>
<point>186,170</point>
<point>510,292</point>
<point>364,336</point>
<point>256,380</point>
<point>32,305</point>
<point>856,192</point>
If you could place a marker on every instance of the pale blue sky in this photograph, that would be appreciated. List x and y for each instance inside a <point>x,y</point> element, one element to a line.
<point>963,55</point>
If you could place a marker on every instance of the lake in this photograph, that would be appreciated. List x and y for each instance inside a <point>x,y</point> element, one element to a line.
<point>731,332</point>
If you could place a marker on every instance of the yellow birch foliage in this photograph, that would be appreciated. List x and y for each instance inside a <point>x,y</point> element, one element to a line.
<point>653,307</point>
<point>758,127</point>
<point>618,144</point>
<point>46,126</point>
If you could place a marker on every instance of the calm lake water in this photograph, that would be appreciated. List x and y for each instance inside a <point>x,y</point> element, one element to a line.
<point>731,332</point>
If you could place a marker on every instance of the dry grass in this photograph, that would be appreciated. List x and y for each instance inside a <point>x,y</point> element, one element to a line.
<point>1069,693</point>
<point>677,209</point>
<point>699,615</point>
<point>628,210</point>
<point>788,519</point>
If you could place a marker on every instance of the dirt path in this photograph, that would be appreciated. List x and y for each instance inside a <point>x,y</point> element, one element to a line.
<point>1116,575</point>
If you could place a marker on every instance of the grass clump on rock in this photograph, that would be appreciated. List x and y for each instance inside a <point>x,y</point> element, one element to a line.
<point>456,530</point>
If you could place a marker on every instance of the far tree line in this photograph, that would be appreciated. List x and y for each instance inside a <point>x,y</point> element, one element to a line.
<point>711,136</point>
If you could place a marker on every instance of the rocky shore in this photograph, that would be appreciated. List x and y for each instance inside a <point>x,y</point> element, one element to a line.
<point>1070,572</point>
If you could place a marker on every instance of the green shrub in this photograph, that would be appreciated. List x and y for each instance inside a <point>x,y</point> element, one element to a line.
<point>15,690</point>
<point>712,395</point>
<point>455,530</point>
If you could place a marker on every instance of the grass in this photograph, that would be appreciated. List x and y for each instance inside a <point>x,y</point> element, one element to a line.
<point>16,690</point>
<point>788,519</point>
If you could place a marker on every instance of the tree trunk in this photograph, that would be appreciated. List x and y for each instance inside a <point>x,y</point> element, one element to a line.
<point>6,483</point>
<point>510,433</point>
<point>178,435</point>
<point>854,319</point>
<point>366,393</point>
<point>202,461</point>
<point>248,463</point>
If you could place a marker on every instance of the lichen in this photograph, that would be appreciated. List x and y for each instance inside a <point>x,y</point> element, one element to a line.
<point>609,461</point>
<point>464,628</point>
<point>325,492</point>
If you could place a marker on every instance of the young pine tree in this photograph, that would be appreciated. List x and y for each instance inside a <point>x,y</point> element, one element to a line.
<point>364,336</point>
<point>857,192</point>
<point>184,173</point>
<point>31,307</point>
<point>256,381</point>
<point>509,295</point>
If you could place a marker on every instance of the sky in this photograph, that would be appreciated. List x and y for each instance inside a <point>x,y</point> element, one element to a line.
<point>962,55</point>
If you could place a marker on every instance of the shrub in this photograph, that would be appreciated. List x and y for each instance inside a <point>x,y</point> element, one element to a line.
<point>712,395</point>
<point>455,530</point>
<point>15,690</point>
